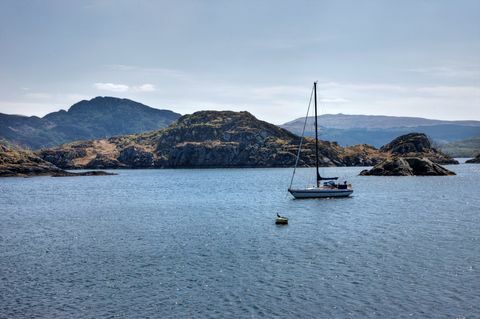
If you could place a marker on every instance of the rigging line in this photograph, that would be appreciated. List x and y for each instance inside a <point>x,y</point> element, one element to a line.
<point>301,139</point>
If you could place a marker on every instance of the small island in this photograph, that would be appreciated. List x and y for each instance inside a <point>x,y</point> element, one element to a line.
<point>411,155</point>
<point>407,166</point>
<point>416,145</point>
<point>475,160</point>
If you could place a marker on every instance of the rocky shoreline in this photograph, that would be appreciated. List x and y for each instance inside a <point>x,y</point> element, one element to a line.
<point>210,139</point>
<point>475,160</point>
<point>15,162</point>
<point>222,139</point>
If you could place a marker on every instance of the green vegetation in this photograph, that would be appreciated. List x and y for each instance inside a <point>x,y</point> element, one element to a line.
<point>465,148</point>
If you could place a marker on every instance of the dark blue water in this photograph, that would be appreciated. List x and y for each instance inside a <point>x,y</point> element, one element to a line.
<point>203,243</point>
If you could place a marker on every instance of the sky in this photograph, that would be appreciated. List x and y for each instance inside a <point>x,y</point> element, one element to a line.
<point>385,57</point>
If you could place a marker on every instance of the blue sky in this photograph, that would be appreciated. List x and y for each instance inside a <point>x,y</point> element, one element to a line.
<point>408,58</point>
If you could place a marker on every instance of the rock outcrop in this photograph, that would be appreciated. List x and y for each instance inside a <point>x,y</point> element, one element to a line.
<point>24,163</point>
<point>407,166</point>
<point>227,139</point>
<point>207,139</point>
<point>475,160</point>
<point>362,155</point>
<point>416,145</point>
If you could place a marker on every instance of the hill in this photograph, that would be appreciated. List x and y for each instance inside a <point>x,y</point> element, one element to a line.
<point>210,139</point>
<point>377,130</point>
<point>203,139</point>
<point>99,117</point>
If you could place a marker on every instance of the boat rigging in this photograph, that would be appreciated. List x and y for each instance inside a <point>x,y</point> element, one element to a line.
<point>320,190</point>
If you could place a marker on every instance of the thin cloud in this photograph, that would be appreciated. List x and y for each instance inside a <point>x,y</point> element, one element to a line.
<point>39,104</point>
<point>147,87</point>
<point>112,87</point>
<point>454,92</point>
<point>164,72</point>
<point>38,95</point>
<point>379,87</point>
<point>63,99</point>
<point>334,100</point>
<point>467,72</point>
<point>286,42</point>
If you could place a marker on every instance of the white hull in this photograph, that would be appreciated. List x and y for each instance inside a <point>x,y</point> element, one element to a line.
<point>320,192</point>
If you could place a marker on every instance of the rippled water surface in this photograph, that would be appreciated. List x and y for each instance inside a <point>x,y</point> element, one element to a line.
<point>203,243</point>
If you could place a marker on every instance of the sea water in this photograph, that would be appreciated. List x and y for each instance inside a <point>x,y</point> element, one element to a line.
<point>204,244</point>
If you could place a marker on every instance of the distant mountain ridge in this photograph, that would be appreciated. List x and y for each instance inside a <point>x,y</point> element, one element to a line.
<point>346,121</point>
<point>99,117</point>
<point>105,117</point>
<point>377,130</point>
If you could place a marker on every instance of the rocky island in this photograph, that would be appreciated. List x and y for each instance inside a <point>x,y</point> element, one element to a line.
<point>416,145</point>
<point>209,139</point>
<point>24,163</point>
<point>407,166</point>
<point>411,155</point>
<point>475,160</point>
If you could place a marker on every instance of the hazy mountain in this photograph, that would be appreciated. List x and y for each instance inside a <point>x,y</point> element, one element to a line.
<point>377,130</point>
<point>96,118</point>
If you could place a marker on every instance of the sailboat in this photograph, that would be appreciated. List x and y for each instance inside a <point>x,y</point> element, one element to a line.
<point>325,186</point>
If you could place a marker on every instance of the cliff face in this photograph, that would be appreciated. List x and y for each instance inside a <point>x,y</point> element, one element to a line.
<point>224,139</point>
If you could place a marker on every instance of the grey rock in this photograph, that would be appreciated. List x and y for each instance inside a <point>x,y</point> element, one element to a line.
<point>407,166</point>
<point>475,160</point>
<point>102,161</point>
<point>136,157</point>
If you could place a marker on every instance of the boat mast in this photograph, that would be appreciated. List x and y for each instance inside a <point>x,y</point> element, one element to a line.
<point>316,134</point>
